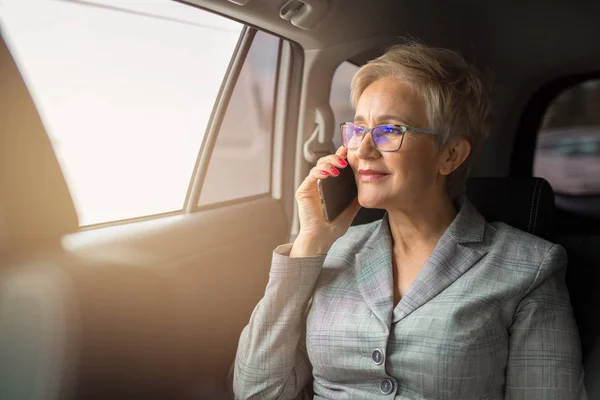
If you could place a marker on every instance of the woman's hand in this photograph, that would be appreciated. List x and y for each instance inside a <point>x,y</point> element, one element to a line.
<point>316,234</point>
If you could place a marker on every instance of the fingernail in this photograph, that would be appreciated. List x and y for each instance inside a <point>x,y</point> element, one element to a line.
<point>342,162</point>
<point>323,172</point>
<point>335,171</point>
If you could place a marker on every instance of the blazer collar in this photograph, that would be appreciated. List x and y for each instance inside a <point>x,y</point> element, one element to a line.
<point>448,261</point>
<point>468,226</point>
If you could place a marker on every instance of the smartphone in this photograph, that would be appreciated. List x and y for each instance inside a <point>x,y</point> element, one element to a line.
<point>337,192</point>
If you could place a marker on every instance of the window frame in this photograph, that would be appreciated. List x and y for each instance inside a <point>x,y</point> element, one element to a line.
<point>220,111</point>
<point>215,121</point>
<point>573,213</point>
<point>235,53</point>
<point>288,82</point>
<point>523,154</point>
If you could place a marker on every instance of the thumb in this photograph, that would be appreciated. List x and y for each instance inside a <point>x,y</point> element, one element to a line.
<point>346,217</point>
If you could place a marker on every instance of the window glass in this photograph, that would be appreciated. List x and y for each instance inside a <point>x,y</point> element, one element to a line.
<point>240,165</point>
<point>340,98</point>
<point>125,90</point>
<point>568,144</point>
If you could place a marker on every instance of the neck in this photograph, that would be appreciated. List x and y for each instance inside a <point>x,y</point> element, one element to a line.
<point>420,225</point>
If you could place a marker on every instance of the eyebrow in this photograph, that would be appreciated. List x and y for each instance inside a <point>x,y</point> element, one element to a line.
<point>386,117</point>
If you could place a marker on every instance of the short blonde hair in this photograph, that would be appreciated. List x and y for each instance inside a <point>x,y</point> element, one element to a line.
<point>457,96</point>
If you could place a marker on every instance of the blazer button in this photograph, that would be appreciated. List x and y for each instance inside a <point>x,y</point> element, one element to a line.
<point>377,356</point>
<point>386,386</point>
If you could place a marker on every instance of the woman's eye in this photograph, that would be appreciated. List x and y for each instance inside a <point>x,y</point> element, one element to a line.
<point>391,131</point>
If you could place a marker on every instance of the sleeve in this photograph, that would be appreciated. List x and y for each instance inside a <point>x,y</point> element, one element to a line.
<point>271,360</point>
<point>544,353</point>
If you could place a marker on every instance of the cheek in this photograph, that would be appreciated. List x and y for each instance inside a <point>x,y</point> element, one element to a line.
<point>414,166</point>
<point>400,163</point>
<point>352,160</point>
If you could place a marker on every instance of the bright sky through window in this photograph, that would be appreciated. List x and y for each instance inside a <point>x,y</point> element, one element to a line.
<point>125,90</point>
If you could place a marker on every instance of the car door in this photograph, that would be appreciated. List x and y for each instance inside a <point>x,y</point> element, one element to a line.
<point>169,123</point>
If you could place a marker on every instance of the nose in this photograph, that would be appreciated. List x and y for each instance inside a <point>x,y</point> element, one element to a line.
<point>366,148</point>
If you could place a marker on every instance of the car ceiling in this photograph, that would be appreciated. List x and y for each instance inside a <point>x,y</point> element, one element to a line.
<point>515,39</point>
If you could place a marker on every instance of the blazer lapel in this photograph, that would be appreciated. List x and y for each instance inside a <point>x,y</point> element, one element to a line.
<point>374,273</point>
<point>449,260</point>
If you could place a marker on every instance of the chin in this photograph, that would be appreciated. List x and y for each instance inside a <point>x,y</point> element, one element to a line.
<point>368,200</point>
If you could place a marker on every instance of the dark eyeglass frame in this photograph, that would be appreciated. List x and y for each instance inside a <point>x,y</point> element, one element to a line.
<point>402,128</point>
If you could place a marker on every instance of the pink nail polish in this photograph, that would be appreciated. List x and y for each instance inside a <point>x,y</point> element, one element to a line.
<point>335,171</point>
<point>343,162</point>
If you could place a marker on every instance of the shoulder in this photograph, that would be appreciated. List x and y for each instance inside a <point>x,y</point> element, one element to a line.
<point>522,252</point>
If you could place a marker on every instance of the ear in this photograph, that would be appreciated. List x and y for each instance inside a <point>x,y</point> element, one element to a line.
<point>453,155</point>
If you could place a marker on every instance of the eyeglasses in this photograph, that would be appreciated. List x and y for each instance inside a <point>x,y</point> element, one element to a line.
<point>388,137</point>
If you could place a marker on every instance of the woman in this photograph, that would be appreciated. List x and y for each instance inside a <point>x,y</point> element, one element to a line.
<point>431,302</point>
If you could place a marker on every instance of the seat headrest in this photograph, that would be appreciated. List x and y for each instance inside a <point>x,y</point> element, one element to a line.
<point>36,208</point>
<point>524,203</point>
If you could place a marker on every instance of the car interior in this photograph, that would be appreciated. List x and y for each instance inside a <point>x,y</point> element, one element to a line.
<point>151,304</point>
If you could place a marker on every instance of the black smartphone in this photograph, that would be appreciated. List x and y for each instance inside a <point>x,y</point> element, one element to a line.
<point>337,192</point>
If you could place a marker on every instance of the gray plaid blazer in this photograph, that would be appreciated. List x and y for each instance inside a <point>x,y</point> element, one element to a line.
<point>488,317</point>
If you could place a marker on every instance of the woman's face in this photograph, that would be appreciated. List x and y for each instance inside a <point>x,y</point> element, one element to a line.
<point>400,179</point>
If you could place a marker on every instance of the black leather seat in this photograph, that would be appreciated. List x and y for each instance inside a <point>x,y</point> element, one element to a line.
<point>525,203</point>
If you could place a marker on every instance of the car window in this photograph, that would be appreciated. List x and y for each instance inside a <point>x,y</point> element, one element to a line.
<point>568,143</point>
<point>340,98</point>
<point>240,164</point>
<point>125,90</point>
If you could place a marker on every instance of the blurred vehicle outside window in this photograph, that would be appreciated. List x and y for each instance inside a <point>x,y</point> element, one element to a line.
<point>568,145</point>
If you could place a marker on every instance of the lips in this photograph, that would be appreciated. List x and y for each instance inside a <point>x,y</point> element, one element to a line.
<point>370,175</point>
